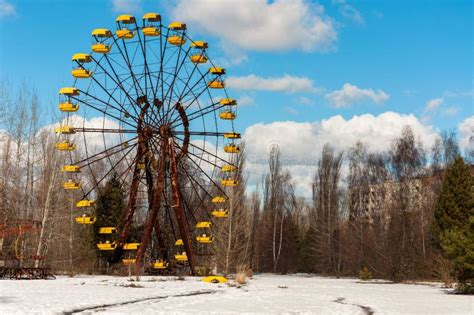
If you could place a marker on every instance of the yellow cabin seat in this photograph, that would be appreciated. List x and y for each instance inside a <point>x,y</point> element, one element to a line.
<point>215,279</point>
<point>68,107</point>
<point>125,33</point>
<point>69,91</point>
<point>65,130</point>
<point>227,115</point>
<point>101,48</point>
<point>107,230</point>
<point>176,40</point>
<point>221,213</point>
<point>203,224</point>
<point>204,238</point>
<point>131,246</point>
<point>198,58</point>
<point>107,246</point>
<point>228,168</point>
<point>232,135</point>
<point>217,71</point>
<point>181,257</point>
<point>160,264</point>
<point>179,242</point>
<point>229,182</point>
<point>216,84</point>
<point>85,203</point>
<point>151,31</point>
<point>228,102</point>
<point>70,185</point>
<point>85,219</point>
<point>81,73</point>
<point>70,169</point>
<point>231,148</point>
<point>65,146</point>
<point>218,199</point>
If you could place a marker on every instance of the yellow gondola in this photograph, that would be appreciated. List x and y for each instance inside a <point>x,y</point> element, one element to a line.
<point>70,185</point>
<point>85,219</point>
<point>128,261</point>
<point>204,239</point>
<point>71,169</point>
<point>197,55</point>
<point>216,84</point>
<point>141,166</point>
<point>151,24</point>
<point>181,257</point>
<point>65,146</point>
<point>81,73</point>
<point>85,203</point>
<point>122,31</point>
<point>65,130</point>
<point>218,199</point>
<point>68,107</point>
<point>228,168</point>
<point>107,245</point>
<point>214,279</point>
<point>177,37</point>
<point>160,264</point>
<point>227,115</point>
<point>179,242</point>
<point>231,148</point>
<point>131,246</point>
<point>228,102</point>
<point>69,91</point>
<point>217,71</point>
<point>203,224</point>
<point>107,230</point>
<point>101,34</point>
<point>229,182</point>
<point>220,213</point>
<point>232,135</point>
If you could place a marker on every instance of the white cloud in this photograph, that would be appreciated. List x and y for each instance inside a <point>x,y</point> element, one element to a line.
<point>349,11</point>
<point>301,143</point>
<point>286,83</point>
<point>466,133</point>
<point>351,94</point>
<point>126,6</point>
<point>245,100</point>
<point>6,9</point>
<point>433,104</point>
<point>261,24</point>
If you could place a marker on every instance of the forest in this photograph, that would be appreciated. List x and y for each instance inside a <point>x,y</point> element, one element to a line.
<point>384,215</point>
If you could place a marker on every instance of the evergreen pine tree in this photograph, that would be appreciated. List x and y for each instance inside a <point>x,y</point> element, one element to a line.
<point>454,221</point>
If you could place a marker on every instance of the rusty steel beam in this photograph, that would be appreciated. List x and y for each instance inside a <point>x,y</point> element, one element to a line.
<point>178,209</point>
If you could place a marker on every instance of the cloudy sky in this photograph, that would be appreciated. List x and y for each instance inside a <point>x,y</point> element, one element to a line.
<point>305,72</point>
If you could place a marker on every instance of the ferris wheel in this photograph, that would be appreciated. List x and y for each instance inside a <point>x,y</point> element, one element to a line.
<point>149,107</point>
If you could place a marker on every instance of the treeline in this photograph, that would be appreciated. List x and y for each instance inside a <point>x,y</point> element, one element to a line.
<point>371,212</point>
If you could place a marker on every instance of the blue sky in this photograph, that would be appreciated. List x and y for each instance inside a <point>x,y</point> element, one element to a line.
<point>414,51</point>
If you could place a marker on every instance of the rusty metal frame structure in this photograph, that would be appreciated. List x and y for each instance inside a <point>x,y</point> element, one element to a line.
<point>146,87</point>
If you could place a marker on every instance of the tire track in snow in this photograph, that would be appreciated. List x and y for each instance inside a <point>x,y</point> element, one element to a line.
<point>103,307</point>
<point>367,310</point>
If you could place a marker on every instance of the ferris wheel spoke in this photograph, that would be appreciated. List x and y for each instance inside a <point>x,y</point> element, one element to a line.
<point>192,180</point>
<point>205,174</point>
<point>117,81</point>
<point>127,61</point>
<point>112,169</point>
<point>106,104</point>
<point>176,71</point>
<point>102,155</point>
<point>206,152</point>
<point>103,111</point>
<point>105,130</point>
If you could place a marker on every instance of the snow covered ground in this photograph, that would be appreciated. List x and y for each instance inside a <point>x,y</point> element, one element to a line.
<point>263,294</point>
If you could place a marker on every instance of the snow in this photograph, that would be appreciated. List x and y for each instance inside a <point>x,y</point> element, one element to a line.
<point>262,294</point>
